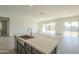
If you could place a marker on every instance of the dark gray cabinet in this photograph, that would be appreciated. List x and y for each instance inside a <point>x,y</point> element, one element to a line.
<point>15,43</point>
<point>24,48</point>
<point>28,48</point>
<point>54,51</point>
<point>20,49</point>
<point>34,51</point>
<point>28,51</point>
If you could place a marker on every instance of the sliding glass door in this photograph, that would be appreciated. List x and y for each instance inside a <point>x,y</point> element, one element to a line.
<point>71,28</point>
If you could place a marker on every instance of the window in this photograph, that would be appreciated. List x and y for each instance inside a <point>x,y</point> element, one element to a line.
<point>48,28</point>
<point>71,28</point>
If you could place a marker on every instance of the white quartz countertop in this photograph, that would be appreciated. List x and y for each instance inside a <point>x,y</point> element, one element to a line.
<point>43,44</point>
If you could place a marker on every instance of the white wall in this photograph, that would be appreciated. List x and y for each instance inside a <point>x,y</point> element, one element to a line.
<point>20,25</point>
<point>59,27</point>
<point>31,16</point>
<point>60,23</point>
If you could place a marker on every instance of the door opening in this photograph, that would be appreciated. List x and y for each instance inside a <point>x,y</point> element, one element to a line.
<point>5,26</point>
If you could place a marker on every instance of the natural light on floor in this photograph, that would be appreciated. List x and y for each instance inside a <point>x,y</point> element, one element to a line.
<point>67,33</point>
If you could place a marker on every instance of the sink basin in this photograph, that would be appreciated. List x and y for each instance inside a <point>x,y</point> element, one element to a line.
<point>26,37</point>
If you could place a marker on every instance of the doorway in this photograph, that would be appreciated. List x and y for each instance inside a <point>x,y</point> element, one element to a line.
<point>5,26</point>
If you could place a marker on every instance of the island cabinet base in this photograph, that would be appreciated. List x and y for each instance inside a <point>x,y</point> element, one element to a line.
<point>34,51</point>
<point>31,50</point>
<point>27,49</point>
<point>21,49</point>
<point>54,51</point>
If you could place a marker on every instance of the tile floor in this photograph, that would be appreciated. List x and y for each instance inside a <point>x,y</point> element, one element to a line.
<point>6,45</point>
<point>68,45</point>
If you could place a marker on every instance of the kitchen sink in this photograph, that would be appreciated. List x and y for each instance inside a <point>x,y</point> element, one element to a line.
<point>26,37</point>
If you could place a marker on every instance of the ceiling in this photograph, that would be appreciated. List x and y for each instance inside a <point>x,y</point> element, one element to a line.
<point>40,11</point>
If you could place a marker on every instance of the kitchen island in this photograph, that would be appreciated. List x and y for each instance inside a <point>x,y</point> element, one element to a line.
<point>38,44</point>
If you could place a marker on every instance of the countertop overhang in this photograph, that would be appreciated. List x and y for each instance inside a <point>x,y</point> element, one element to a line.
<point>42,43</point>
